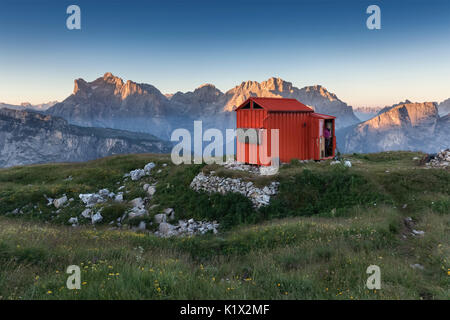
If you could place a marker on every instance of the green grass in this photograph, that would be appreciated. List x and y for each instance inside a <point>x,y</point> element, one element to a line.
<point>314,241</point>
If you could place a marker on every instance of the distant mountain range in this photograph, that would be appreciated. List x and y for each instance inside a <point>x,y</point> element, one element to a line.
<point>404,126</point>
<point>109,116</point>
<point>29,106</point>
<point>110,102</point>
<point>29,137</point>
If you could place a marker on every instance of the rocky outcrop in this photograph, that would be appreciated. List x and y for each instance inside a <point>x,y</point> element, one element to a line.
<point>28,137</point>
<point>214,184</point>
<point>409,126</point>
<point>186,228</point>
<point>439,160</point>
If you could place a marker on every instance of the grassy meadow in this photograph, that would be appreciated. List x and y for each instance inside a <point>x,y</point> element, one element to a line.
<point>315,240</point>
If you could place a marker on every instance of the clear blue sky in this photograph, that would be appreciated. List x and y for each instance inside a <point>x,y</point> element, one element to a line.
<point>179,45</point>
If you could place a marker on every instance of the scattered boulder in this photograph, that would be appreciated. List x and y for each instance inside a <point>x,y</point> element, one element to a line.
<point>73,220</point>
<point>96,218</point>
<point>142,225</point>
<point>58,203</point>
<point>410,227</point>
<point>151,190</point>
<point>137,174</point>
<point>138,208</point>
<point>103,192</point>
<point>137,202</point>
<point>165,228</point>
<point>91,199</point>
<point>148,167</point>
<point>417,266</point>
<point>86,213</point>
<point>160,218</point>
<point>170,213</point>
<point>347,164</point>
<point>119,197</point>
<point>50,200</point>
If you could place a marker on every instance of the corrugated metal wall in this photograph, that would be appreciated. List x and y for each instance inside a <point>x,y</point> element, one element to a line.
<point>294,134</point>
<point>298,135</point>
<point>249,118</point>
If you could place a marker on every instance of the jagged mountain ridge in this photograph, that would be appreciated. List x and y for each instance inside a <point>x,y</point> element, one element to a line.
<point>29,137</point>
<point>109,102</point>
<point>407,126</point>
<point>316,96</point>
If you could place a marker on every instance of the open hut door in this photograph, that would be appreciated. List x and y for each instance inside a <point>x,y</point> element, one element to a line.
<point>321,139</point>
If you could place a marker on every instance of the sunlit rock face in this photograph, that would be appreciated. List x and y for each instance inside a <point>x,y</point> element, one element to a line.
<point>28,137</point>
<point>316,96</point>
<point>110,102</point>
<point>408,126</point>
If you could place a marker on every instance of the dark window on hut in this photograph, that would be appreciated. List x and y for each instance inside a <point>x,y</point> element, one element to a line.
<point>247,106</point>
<point>256,106</point>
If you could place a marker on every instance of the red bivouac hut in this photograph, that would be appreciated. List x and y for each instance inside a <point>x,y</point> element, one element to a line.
<point>301,130</point>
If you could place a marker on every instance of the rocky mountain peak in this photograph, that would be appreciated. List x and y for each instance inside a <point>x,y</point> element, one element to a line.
<point>277,85</point>
<point>80,87</point>
<point>318,90</point>
<point>110,86</point>
<point>109,77</point>
<point>407,126</point>
<point>208,91</point>
<point>405,115</point>
<point>201,98</point>
<point>207,86</point>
